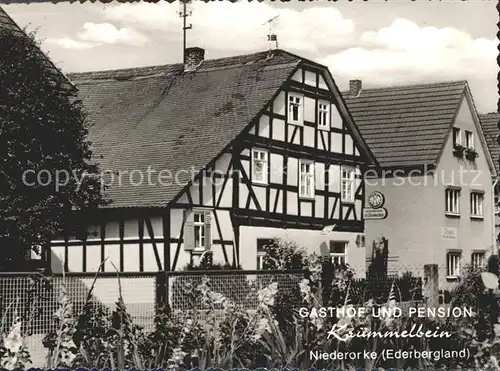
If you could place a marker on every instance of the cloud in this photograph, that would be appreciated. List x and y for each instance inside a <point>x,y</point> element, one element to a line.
<point>239,27</point>
<point>68,43</point>
<point>97,34</point>
<point>404,53</point>
<point>107,33</point>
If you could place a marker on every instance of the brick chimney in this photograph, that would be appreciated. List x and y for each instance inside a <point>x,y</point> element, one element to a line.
<point>355,87</point>
<point>193,58</point>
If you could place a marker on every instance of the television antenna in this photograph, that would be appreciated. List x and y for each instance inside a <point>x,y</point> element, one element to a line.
<point>272,37</point>
<point>184,12</point>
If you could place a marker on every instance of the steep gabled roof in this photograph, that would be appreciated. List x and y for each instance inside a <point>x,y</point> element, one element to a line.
<point>163,118</point>
<point>489,123</point>
<point>406,125</point>
<point>7,23</point>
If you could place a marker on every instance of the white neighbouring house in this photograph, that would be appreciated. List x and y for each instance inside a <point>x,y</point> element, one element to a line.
<point>436,175</point>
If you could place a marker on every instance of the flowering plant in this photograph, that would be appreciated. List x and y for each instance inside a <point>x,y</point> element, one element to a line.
<point>13,351</point>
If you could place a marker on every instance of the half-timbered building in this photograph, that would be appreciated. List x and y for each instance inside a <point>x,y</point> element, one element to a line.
<point>220,155</point>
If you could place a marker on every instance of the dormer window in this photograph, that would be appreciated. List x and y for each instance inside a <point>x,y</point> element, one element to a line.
<point>323,115</point>
<point>295,103</point>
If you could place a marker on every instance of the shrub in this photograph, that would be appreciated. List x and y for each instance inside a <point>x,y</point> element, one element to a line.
<point>225,284</point>
<point>282,254</point>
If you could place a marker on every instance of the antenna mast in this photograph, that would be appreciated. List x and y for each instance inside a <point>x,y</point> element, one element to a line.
<point>272,37</point>
<point>185,12</point>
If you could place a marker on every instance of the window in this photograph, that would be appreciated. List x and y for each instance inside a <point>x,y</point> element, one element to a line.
<point>478,259</point>
<point>469,139</point>
<point>348,184</point>
<point>294,109</point>
<point>338,252</point>
<point>497,206</point>
<point>306,179</point>
<point>34,253</point>
<point>323,115</point>
<point>476,204</point>
<point>259,166</point>
<point>457,136</point>
<point>452,201</point>
<point>199,231</point>
<point>260,260</point>
<point>262,243</point>
<point>453,265</point>
<point>197,234</point>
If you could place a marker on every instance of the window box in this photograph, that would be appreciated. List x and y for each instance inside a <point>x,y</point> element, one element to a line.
<point>471,154</point>
<point>458,150</point>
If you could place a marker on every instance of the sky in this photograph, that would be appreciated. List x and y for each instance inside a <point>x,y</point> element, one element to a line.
<point>382,43</point>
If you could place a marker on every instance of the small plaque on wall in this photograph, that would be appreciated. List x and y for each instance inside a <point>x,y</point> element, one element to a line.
<point>448,233</point>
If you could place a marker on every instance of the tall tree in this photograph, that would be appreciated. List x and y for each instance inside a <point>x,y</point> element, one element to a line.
<point>47,171</point>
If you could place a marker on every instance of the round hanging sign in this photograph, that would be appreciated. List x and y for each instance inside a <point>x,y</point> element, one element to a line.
<point>376,199</point>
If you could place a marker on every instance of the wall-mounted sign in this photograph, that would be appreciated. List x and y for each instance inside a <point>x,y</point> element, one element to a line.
<point>376,200</point>
<point>448,233</point>
<point>374,214</point>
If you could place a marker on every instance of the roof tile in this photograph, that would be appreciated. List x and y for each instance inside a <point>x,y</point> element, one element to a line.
<point>489,123</point>
<point>163,119</point>
<point>404,112</point>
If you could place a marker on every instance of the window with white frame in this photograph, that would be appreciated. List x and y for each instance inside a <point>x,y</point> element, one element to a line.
<point>199,230</point>
<point>295,108</point>
<point>478,259</point>
<point>323,115</point>
<point>35,253</point>
<point>262,244</point>
<point>338,252</point>
<point>306,178</point>
<point>453,264</point>
<point>260,260</point>
<point>457,136</point>
<point>452,196</point>
<point>476,204</point>
<point>348,181</point>
<point>259,166</point>
<point>469,139</point>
